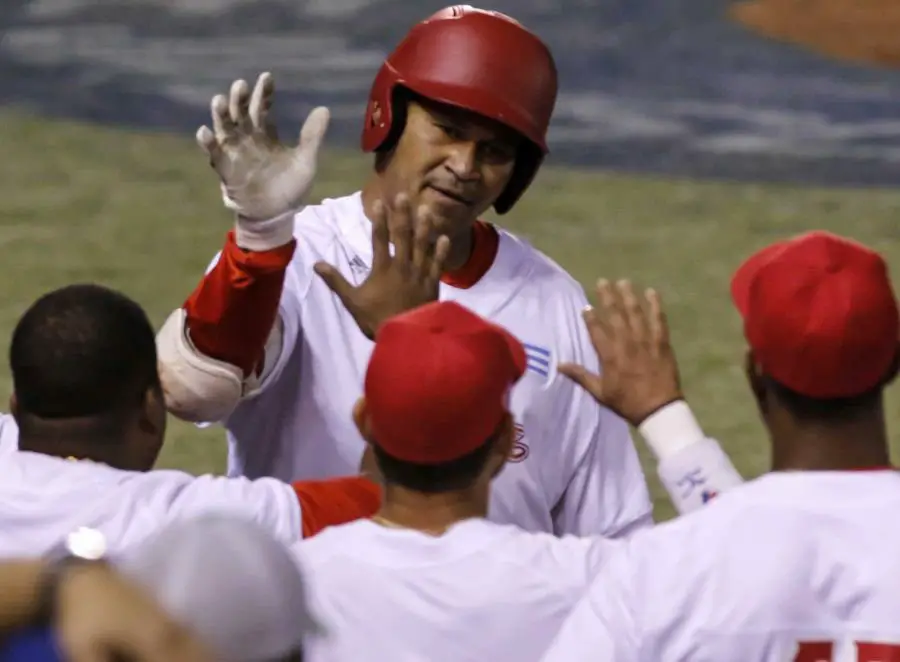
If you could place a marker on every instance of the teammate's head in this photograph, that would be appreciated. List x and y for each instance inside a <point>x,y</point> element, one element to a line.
<point>435,408</point>
<point>83,362</point>
<point>458,114</point>
<point>822,324</point>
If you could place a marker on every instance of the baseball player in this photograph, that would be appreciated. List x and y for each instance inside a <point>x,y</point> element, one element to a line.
<point>800,563</point>
<point>463,587</point>
<point>275,339</point>
<point>90,418</point>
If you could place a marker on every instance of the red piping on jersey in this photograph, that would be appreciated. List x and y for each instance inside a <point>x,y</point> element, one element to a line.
<point>333,501</point>
<point>233,309</point>
<point>485,243</point>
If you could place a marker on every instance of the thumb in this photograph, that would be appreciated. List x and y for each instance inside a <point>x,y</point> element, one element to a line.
<point>313,131</point>
<point>583,377</point>
<point>335,281</point>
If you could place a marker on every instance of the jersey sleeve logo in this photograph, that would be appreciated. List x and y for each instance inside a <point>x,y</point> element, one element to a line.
<point>537,359</point>
<point>520,449</point>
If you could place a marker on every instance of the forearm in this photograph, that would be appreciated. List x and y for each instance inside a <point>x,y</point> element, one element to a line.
<point>231,313</point>
<point>333,501</point>
<point>20,594</point>
<point>212,352</point>
<point>693,468</point>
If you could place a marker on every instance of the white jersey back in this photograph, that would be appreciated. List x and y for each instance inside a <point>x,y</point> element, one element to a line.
<point>43,499</point>
<point>482,591</point>
<point>801,566</point>
<point>575,468</point>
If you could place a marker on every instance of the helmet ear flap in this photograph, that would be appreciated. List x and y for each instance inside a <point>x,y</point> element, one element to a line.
<point>528,161</point>
<point>400,98</point>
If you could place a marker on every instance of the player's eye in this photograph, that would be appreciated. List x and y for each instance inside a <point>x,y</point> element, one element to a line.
<point>452,132</point>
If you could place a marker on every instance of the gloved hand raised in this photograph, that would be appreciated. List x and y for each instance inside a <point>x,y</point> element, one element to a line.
<point>263,180</point>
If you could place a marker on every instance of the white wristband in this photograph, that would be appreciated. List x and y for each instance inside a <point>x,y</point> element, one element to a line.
<point>671,429</point>
<point>264,235</point>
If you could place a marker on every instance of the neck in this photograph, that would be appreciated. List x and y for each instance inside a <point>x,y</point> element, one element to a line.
<point>461,246</point>
<point>79,438</point>
<point>835,446</point>
<point>431,513</point>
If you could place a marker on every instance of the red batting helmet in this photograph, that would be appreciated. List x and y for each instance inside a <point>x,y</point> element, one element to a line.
<point>482,61</point>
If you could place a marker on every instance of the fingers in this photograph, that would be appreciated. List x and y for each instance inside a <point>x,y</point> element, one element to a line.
<point>261,102</point>
<point>441,251</point>
<point>659,323</point>
<point>632,311</point>
<point>335,281</point>
<point>596,329</point>
<point>401,230</point>
<point>313,131</point>
<point>208,143</point>
<point>423,247</point>
<point>587,380</point>
<point>239,104</point>
<point>224,127</point>
<point>381,237</point>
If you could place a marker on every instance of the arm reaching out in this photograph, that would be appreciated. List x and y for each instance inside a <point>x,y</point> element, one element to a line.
<point>217,348</point>
<point>640,382</point>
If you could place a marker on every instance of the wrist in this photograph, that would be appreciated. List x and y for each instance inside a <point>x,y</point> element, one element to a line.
<point>671,429</point>
<point>59,577</point>
<point>258,236</point>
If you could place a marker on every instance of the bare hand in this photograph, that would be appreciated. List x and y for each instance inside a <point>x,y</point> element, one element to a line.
<point>406,280</point>
<point>102,616</point>
<point>639,370</point>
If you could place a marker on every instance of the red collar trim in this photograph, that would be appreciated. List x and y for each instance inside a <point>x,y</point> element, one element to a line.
<point>485,244</point>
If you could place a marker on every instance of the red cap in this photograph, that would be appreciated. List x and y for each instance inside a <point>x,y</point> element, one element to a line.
<point>438,382</point>
<point>819,314</point>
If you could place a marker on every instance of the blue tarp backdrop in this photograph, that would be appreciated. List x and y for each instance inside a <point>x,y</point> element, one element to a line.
<point>647,85</point>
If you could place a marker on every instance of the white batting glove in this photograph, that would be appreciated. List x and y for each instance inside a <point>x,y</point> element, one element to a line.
<point>263,181</point>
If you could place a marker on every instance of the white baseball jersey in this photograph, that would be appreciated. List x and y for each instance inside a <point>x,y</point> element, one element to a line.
<point>43,499</point>
<point>482,591</point>
<point>575,469</point>
<point>794,566</point>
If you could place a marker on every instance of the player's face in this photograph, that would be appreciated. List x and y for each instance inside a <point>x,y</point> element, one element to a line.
<point>455,162</point>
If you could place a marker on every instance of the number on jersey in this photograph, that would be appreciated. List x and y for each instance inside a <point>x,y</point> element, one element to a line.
<point>823,651</point>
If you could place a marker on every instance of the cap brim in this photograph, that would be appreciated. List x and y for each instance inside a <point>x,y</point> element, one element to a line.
<point>743,278</point>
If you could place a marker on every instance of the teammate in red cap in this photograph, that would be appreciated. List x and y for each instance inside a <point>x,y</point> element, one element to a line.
<point>275,339</point>
<point>436,412</point>
<point>802,563</point>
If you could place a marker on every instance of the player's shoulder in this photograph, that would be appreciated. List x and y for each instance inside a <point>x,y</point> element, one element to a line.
<point>328,219</point>
<point>544,273</point>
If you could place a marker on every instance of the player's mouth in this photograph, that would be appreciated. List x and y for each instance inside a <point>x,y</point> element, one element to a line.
<point>451,195</point>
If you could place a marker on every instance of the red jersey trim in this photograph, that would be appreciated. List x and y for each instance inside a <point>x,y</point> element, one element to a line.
<point>484,251</point>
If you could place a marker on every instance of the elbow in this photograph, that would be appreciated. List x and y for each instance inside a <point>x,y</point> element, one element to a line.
<point>196,387</point>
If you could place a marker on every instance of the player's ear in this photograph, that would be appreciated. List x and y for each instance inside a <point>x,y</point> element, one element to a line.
<point>755,379</point>
<point>895,368</point>
<point>151,419</point>
<point>14,407</point>
<point>361,419</point>
<point>503,443</point>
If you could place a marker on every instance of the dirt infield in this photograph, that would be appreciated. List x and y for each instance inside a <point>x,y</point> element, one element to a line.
<point>862,31</point>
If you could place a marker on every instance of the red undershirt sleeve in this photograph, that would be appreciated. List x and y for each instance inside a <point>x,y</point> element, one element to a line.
<point>325,503</point>
<point>232,311</point>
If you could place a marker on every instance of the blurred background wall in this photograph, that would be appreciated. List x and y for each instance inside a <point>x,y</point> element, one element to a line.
<point>673,86</point>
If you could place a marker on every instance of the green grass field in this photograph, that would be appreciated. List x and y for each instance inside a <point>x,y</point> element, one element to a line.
<point>141,212</point>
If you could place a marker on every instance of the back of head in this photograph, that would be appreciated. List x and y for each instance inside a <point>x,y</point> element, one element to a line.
<point>822,322</point>
<point>81,352</point>
<point>231,582</point>
<point>437,395</point>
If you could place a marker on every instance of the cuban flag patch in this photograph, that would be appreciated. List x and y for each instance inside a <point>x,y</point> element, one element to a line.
<point>537,359</point>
